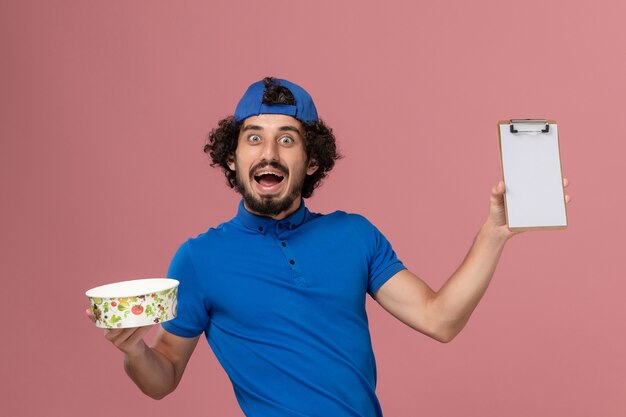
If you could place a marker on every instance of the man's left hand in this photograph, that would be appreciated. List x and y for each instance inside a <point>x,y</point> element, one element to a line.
<point>497,216</point>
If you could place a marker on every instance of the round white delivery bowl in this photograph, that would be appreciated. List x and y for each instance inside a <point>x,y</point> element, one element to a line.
<point>135,303</point>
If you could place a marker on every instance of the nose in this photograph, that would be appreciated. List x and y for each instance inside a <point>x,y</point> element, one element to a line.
<point>270,151</point>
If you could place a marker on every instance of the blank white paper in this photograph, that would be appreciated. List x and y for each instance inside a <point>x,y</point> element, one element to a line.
<point>533,178</point>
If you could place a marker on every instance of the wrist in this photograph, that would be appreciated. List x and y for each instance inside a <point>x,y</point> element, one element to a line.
<point>493,233</point>
<point>137,351</point>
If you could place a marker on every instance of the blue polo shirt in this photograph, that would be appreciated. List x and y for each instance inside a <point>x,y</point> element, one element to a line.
<point>282,305</point>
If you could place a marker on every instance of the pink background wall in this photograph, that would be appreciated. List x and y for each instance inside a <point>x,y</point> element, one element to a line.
<point>104,111</point>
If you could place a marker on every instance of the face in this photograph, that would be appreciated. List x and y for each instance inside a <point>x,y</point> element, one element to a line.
<point>271,164</point>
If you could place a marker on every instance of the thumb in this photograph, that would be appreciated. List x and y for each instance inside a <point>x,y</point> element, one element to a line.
<point>498,189</point>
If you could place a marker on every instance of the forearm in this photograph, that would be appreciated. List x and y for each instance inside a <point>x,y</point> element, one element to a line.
<point>454,303</point>
<point>151,371</point>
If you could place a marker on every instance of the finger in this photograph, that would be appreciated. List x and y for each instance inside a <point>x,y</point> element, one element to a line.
<point>567,199</point>
<point>117,336</point>
<point>565,182</point>
<point>127,340</point>
<point>138,334</point>
<point>90,315</point>
<point>111,334</point>
<point>498,189</point>
<point>120,337</point>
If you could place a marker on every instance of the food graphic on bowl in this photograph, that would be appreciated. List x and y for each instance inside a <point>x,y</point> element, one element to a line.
<point>134,303</point>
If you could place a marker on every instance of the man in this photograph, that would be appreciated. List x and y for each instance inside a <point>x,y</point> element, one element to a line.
<point>279,291</point>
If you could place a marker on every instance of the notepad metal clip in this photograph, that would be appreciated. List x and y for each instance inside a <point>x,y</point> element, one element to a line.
<point>528,123</point>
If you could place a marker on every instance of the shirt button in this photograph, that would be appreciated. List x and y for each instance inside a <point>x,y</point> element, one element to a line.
<point>260,228</point>
<point>283,243</point>
<point>280,226</point>
<point>292,262</point>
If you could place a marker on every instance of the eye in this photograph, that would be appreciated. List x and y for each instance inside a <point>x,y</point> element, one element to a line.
<point>254,138</point>
<point>286,140</point>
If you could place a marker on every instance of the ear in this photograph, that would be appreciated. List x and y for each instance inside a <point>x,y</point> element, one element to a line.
<point>231,163</point>
<point>312,167</point>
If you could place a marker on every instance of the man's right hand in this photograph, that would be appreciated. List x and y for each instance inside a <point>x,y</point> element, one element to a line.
<point>130,340</point>
<point>156,369</point>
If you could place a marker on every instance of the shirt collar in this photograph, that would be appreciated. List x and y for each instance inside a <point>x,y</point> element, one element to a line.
<point>262,224</point>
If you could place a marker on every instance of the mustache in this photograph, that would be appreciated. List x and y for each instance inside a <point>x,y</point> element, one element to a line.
<point>263,164</point>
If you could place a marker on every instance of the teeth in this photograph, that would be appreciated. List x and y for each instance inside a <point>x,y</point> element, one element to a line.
<point>268,173</point>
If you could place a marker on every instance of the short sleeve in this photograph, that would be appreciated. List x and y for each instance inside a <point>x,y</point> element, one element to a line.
<point>192,316</point>
<point>383,262</point>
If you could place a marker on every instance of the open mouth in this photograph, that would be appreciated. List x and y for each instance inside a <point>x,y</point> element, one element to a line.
<point>268,179</point>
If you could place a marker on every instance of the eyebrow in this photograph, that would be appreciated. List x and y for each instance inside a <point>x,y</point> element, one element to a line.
<point>287,128</point>
<point>251,127</point>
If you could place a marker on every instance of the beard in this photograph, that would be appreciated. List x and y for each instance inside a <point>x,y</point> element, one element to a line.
<point>269,205</point>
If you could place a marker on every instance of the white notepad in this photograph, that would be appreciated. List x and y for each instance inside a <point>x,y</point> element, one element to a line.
<point>531,168</point>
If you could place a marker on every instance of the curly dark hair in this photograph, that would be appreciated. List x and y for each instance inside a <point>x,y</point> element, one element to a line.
<point>319,141</point>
